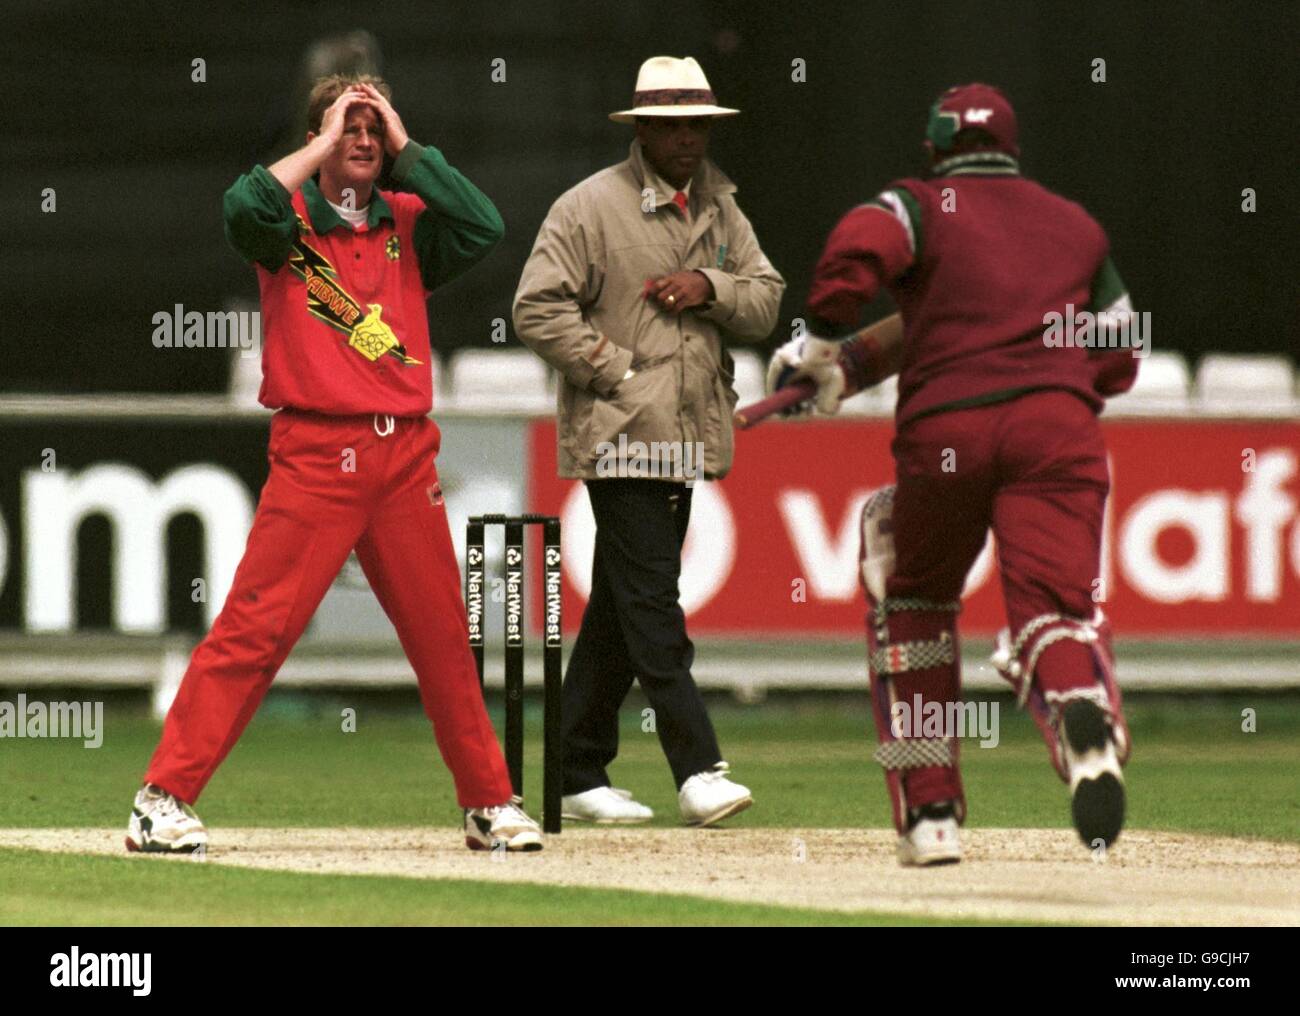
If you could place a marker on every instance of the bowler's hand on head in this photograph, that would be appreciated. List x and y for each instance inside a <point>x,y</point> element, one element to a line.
<point>395,136</point>
<point>331,125</point>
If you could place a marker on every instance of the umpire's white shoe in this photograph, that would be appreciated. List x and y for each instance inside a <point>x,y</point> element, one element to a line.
<point>1096,782</point>
<point>605,806</point>
<point>163,824</point>
<point>934,837</point>
<point>504,827</point>
<point>710,797</point>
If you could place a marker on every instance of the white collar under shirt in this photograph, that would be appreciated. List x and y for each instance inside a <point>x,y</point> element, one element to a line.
<point>354,217</point>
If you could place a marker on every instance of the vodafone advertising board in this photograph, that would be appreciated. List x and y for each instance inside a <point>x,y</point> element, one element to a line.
<point>1202,533</point>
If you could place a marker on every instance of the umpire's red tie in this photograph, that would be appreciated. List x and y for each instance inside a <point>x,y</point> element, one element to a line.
<point>679,199</point>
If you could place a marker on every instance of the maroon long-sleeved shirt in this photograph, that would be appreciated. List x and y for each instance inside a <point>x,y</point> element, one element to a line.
<point>975,258</point>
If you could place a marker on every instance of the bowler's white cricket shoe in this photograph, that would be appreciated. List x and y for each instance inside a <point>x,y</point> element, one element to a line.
<point>605,806</point>
<point>505,826</point>
<point>163,824</point>
<point>1096,782</point>
<point>934,837</point>
<point>709,797</point>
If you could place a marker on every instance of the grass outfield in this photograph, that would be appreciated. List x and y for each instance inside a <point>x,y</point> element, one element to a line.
<point>807,761</point>
<point>61,889</point>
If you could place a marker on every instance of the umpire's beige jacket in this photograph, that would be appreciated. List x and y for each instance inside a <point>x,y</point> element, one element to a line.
<point>580,306</point>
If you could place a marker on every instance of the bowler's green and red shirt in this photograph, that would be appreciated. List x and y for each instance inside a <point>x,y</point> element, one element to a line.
<point>345,329</point>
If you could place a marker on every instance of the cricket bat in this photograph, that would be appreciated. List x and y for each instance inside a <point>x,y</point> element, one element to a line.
<point>884,343</point>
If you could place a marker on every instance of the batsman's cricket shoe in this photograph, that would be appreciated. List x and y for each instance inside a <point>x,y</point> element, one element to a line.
<point>1096,782</point>
<point>709,797</point>
<point>163,824</point>
<point>605,806</point>
<point>505,826</point>
<point>933,838</point>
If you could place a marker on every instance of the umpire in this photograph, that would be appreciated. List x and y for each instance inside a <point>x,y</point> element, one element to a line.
<point>637,275</point>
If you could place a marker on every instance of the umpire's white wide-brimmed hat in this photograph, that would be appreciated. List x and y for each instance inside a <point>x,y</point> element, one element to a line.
<point>667,86</point>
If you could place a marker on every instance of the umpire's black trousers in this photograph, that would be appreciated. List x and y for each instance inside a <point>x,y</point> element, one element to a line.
<point>634,627</point>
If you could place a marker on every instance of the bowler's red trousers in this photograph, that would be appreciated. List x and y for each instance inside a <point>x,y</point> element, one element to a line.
<point>336,484</point>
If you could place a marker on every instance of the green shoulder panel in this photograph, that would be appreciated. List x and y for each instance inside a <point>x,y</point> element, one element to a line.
<point>459,225</point>
<point>899,199</point>
<point>914,213</point>
<point>1107,287</point>
<point>260,223</point>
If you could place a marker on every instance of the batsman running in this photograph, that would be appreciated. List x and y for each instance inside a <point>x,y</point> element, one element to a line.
<point>996,427</point>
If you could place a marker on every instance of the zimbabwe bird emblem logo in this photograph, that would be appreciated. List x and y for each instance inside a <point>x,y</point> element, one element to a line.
<point>368,333</point>
<point>372,338</point>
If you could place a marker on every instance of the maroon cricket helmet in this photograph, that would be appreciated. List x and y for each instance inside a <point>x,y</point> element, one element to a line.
<point>973,105</point>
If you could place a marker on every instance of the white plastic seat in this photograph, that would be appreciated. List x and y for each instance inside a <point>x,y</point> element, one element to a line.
<point>245,365</point>
<point>499,381</point>
<point>245,379</point>
<point>884,396</point>
<point>861,404</point>
<point>878,400</point>
<point>751,376</point>
<point>439,379</point>
<point>1251,385</point>
<point>1163,387</point>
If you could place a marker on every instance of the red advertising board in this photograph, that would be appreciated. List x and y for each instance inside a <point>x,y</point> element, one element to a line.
<point>1202,533</point>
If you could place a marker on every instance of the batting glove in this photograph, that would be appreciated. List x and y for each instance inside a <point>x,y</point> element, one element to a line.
<point>813,357</point>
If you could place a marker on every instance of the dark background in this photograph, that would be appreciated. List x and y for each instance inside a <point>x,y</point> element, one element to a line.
<point>1200,102</point>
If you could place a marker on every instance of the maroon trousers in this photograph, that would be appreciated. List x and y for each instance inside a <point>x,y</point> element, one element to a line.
<point>1034,471</point>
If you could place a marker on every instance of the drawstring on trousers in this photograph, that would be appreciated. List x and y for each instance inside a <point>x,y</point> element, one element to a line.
<point>389,426</point>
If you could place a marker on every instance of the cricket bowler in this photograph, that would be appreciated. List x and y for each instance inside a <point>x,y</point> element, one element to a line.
<point>344,271</point>
<point>996,428</point>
